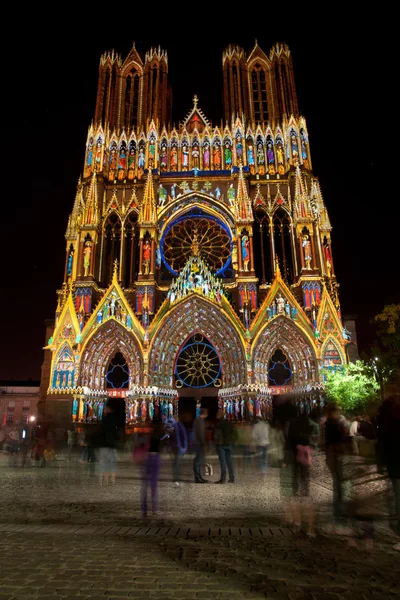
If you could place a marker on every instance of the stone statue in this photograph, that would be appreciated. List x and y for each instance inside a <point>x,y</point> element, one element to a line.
<point>86,258</point>
<point>307,251</point>
<point>280,305</point>
<point>245,252</point>
<point>162,195</point>
<point>234,255</point>
<point>146,257</point>
<point>231,195</point>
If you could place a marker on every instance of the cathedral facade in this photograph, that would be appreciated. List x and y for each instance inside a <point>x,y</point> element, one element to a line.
<point>198,258</point>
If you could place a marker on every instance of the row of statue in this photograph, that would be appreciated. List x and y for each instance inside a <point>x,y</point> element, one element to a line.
<point>87,411</point>
<point>145,410</point>
<point>114,308</point>
<point>240,408</point>
<point>124,160</point>
<point>185,188</point>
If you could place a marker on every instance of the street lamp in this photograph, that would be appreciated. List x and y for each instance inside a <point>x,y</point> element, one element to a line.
<point>32,418</point>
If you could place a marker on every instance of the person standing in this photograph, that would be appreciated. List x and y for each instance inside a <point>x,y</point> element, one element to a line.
<point>261,440</point>
<point>302,436</point>
<point>151,468</point>
<point>335,448</point>
<point>223,437</point>
<point>109,436</point>
<point>388,447</point>
<point>199,434</point>
<point>179,446</point>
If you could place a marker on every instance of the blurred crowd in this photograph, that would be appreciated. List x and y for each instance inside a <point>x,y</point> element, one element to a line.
<point>290,442</point>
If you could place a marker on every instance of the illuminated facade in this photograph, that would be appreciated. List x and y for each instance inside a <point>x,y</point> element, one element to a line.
<point>198,258</point>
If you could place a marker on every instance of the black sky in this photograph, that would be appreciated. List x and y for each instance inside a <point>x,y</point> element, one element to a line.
<point>51,100</point>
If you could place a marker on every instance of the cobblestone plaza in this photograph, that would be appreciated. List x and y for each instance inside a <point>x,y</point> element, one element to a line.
<point>62,535</point>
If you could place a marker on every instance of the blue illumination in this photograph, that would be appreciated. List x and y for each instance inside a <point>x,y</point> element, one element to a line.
<point>193,213</point>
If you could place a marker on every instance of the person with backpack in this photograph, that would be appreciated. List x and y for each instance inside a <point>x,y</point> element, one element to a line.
<point>302,436</point>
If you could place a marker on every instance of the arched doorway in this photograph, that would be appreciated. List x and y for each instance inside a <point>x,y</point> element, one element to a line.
<point>191,317</point>
<point>197,377</point>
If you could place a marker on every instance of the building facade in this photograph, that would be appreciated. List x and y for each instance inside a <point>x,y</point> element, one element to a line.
<point>18,402</point>
<point>198,262</point>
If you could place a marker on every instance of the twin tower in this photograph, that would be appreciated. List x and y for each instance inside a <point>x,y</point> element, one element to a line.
<point>133,92</point>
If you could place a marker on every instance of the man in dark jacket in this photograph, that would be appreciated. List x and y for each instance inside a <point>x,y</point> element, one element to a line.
<point>199,434</point>
<point>223,437</point>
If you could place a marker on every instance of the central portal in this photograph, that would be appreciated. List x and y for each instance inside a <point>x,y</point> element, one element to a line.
<point>197,377</point>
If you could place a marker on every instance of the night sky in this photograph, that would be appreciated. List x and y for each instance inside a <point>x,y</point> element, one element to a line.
<point>51,100</point>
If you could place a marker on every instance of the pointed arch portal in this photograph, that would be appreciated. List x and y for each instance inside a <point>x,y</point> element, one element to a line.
<point>109,339</point>
<point>197,315</point>
<point>282,333</point>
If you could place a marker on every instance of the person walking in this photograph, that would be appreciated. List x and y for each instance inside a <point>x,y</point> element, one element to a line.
<point>336,435</point>
<point>261,440</point>
<point>199,434</point>
<point>223,437</point>
<point>302,436</point>
<point>178,445</point>
<point>151,468</point>
<point>108,438</point>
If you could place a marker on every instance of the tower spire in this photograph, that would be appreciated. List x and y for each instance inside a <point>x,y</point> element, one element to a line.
<point>148,212</point>
<point>243,203</point>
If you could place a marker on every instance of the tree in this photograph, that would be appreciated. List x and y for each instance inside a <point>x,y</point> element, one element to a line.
<point>353,387</point>
<point>388,330</point>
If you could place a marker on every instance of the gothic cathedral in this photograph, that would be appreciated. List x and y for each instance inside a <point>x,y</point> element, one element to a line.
<point>198,259</point>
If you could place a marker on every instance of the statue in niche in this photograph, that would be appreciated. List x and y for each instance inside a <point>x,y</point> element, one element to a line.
<point>174,158</point>
<point>228,155</point>
<point>245,252</point>
<point>143,410</point>
<point>141,159</point>
<point>280,305</point>
<point>250,156</point>
<point>122,162</point>
<point>113,162</point>
<point>234,255</point>
<point>206,156</point>
<point>328,259</point>
<point>86,258</point>
<point>162,195</point>
<point>99,147</point>
<point>70,261</point>
<point>152,154</point>
<point>271,158</point>
<point>185,158</point>
<point>260,154</point>
<point>295,149</point>
<point>239,148</point>
<point>306,244</point>
<point>231,195</point>
<point>164,158</point>
<point>146,257</point>
<point>131,162</point>
<point>217,157</point>
<point>195,157</point>
<point>89,158</point>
